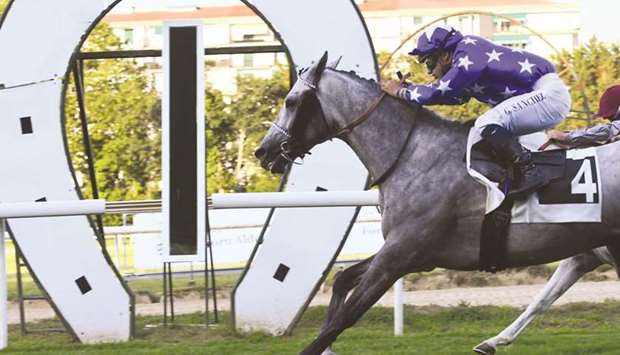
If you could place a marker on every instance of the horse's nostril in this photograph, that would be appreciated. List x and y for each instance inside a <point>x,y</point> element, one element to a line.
<point>259,153</point>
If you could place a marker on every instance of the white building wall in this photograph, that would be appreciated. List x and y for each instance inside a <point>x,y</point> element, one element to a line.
<point>599,19</point>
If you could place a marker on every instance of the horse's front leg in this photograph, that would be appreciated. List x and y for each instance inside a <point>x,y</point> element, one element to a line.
<point>568,272</point>
<point>385,268</point>
<point>345,282</point>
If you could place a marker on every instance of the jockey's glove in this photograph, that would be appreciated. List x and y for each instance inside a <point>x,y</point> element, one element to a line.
<point>402,93</point>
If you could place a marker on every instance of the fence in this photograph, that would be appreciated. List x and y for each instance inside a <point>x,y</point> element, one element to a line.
<point>218,201</point>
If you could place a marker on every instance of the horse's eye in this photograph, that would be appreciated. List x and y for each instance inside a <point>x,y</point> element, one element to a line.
<point>290,102</point>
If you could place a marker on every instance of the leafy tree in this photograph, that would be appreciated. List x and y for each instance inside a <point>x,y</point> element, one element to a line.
<point>256,104</point>
<point>220,131</point>
<point>597,66</point>
<point>123,111</point>
<point>235,129</point>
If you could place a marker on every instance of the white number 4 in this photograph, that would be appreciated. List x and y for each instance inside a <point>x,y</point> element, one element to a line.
<point>587,187</point>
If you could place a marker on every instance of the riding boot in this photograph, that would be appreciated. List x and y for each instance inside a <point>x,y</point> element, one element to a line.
<point>527,177</point>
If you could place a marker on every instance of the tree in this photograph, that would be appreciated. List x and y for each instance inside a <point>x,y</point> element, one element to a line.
<point>220,131</point>
<point>597,66</point>
<point>254,107</point>
<point>123,111</point>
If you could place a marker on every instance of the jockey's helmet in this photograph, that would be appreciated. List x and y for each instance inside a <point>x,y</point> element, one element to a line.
<point>609,104</point>
<point>433,41</point>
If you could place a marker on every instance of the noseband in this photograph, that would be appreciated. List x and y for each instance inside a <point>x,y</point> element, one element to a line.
<point>288,148</point>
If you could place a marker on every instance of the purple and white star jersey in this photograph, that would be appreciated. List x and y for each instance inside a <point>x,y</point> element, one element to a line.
<point>484,70</point>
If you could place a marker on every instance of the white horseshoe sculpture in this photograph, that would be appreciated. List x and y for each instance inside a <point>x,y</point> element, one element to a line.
<point>301,244</point>
<point>38,41</point>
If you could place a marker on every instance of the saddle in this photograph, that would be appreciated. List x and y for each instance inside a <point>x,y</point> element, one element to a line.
<point>551,163</point>
<point>573,194</point>
<point>495,226</point>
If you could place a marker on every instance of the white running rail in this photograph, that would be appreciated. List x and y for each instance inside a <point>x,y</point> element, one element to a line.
<point>34,209</point>
<point>217,201</point>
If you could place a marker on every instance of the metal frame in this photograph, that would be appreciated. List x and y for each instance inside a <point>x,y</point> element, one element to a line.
<point>78,81</point>
<point>154,53</point>
<point>20,264</point>
<point>155,205</point>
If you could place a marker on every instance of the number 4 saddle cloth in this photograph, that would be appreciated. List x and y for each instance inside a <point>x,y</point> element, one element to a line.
<point>574,193</point>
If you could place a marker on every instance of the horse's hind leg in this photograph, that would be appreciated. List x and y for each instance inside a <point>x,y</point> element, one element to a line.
<point>345,281</point>
<point>382,272</point>
<point>568,272</point>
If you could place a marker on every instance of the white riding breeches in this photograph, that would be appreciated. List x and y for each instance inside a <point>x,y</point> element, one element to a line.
<point>545,107</point>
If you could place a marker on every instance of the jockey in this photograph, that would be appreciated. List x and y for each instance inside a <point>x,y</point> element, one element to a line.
<point>526,94</point>
<point>608,108</point>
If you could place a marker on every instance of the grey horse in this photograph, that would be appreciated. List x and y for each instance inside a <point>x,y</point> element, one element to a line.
<point>432,210</point>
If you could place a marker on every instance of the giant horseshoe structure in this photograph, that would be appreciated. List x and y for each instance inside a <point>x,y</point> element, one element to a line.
<point>39,41</point>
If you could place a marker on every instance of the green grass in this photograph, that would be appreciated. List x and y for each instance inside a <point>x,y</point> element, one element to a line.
<point>574,329</point>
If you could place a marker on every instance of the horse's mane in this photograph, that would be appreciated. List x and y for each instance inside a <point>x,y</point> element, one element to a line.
<point>434,118</point>
<point>353,75</point>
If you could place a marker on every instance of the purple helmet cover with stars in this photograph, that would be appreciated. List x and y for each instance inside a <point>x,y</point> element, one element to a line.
<point>436,38</point>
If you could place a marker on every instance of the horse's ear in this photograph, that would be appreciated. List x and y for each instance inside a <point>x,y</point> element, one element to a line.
<point>315,71</point>
<point>322,63</point>
<point>334,64</point>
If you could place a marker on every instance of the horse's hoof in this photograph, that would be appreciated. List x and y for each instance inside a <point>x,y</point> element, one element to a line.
<point>484,349</point>
<point>328,351</point>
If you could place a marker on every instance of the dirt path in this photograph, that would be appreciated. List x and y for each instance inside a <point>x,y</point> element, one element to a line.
<point>505,295</point>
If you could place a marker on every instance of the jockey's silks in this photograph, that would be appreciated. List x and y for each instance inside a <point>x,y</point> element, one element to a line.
<point>483,70</point>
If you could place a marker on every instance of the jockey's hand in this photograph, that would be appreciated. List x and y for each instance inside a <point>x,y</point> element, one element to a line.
<point>557,138</point>
<point>394,88</point>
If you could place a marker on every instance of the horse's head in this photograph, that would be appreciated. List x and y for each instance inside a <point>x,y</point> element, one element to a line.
<point>300,125</point>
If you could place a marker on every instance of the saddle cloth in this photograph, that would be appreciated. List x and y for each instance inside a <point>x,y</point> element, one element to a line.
<point>573,195</point>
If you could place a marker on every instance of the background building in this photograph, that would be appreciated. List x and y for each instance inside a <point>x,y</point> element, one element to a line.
<point>230,23</point>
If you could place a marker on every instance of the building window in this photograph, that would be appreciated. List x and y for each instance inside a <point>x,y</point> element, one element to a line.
<point>515,45</point>
<point>158,30</point>
<point>251,38</point>
<point>248,60</point>
<point>250,33</point>
<point>417,20</point>
<point>506,25</point>
<point>503,26</point>
<point>128,36</point>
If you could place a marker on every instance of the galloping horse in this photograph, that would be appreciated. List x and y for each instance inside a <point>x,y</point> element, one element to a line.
<point>432,210</point>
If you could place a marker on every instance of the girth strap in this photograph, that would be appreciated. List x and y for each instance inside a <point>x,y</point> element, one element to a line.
<point>493,237</point>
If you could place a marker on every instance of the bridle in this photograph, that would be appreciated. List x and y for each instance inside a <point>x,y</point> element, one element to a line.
<point>288,148</point>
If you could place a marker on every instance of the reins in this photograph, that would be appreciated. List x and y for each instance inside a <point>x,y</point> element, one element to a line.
<point>356,122</point>
<point>288,149</point>
<point>359,120</point>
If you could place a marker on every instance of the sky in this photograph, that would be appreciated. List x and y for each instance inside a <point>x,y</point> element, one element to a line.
<point>600,17</point>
